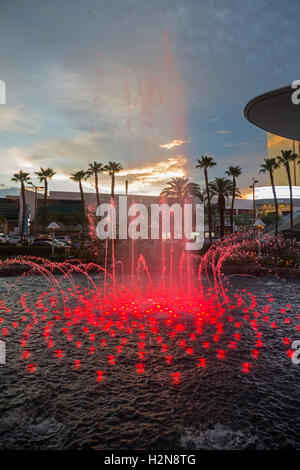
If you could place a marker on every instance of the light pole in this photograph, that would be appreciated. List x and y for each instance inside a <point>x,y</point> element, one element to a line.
<point>36,188</point>
<point>52,227</point>
<point>252,186</point>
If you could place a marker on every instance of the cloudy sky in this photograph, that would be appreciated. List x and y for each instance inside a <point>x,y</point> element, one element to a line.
<point>151,84</point>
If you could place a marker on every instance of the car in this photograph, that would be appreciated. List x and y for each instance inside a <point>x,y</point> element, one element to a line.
<point>4,238</point>
<point>57,243</point>
<point>41,243</point>
<point>14,240</point>
<point>64,239</point>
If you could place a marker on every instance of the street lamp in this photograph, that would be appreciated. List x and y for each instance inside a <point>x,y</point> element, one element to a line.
<point>52,227</point>
<point>36,188</point>
<point>252,186</point>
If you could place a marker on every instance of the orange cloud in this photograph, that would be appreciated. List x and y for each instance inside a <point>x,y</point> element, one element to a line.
<point>173,144</point>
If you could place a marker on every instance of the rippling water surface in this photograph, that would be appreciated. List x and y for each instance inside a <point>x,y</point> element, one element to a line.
<point>53,402</point>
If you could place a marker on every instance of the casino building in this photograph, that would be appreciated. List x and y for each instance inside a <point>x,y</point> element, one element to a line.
<point>276,113</point>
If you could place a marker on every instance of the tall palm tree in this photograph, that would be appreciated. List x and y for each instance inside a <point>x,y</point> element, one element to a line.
<point>111,168</point>
<point>180,189</point>
<point>78,177</point>
<point>284,159</point>
<point>223,188</point>
<point>44,174</point>
<point>23,178</point>
<point>234,172</point>
<point>94,170</point>
<point>269,165</point>
<point>204,163</point>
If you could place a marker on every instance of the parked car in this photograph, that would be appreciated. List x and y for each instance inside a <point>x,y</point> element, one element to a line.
<point>41,243</point>
<point>14,240</point>
<point>4,238</point>
<point>64,239</point>
<point>57,243</point>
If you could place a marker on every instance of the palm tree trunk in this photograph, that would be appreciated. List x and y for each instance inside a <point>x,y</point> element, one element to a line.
<point>23,209</point>
<point>221,204</point>
<point>112,185</point>
<point>232,204</point>
<point>45,204</point>
<point>208,204</point>
<point>291,199</point>
<point>83,209</point>
<point>97,190</point>
<point>275,202</point>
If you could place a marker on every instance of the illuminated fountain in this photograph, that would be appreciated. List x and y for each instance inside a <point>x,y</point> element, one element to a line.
<point>89,316</point>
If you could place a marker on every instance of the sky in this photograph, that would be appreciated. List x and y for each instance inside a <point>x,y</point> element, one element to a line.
<point>150,84</point>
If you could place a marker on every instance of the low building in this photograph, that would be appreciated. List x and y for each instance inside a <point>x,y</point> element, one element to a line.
<point>65,208</point>
<point>9,212</point>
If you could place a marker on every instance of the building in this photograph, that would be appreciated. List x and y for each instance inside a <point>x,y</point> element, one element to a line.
<point>275,145</point>
<point>276,113</point>
<point>9,212</point>
<point>65,208</point>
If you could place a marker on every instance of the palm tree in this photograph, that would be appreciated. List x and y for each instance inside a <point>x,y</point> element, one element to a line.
<point>78,176</point>
<point>269,165</point>
<point>207,162</point>
<point>44,174</point>
<point>223,188</point>
<point>111,168</point>
<point>180,189</point>
<point>284,159</point>
<point>94,170</point>
<point>23,178</point>
<point>234,172</point>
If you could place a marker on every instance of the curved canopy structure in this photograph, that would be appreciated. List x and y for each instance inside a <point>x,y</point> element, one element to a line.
<point>276,113</point>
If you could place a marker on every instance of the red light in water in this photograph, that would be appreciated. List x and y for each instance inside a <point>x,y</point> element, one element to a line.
<point>246,367</point>
<point>175,378</point>
<point>202,362</point>
<point>221,354</point>
<point>140,368</point>
<point>26,354</point>
<point>31,368</point>
<point>255,353</point>
<point>99,375</point>
<point>169,359</point>
<point>111,359</point>
<point>286,341</point>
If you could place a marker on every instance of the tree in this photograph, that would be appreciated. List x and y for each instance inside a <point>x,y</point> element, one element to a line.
<point>44,174</point>
<point>78,177</point>
<point>204,163</point>
<point>22,178</point>
<point>269,165</point>
<point>180,189</point>
<point>234,172</point>
<point>284,159</point>
<point>94,170</point>
<point>223,188</point>
<point>111,168</point>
